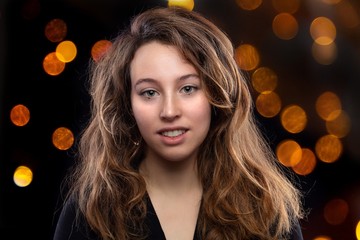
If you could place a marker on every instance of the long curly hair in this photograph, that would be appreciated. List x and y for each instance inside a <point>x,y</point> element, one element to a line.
<point>246,193</point>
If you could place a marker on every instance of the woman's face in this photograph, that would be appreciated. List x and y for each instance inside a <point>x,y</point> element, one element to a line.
<point>168,103</point>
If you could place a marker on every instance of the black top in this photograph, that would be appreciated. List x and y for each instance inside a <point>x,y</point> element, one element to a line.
<point>68,229</point>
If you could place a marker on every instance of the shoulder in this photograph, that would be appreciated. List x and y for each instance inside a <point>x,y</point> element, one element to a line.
<point>72,224</point>
<point>296,233</point>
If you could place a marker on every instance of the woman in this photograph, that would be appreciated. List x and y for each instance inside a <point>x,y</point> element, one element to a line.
<point>172,150</point>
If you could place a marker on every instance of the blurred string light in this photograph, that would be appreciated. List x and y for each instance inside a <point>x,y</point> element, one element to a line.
<point>328,105</point>
<point>323,237</point>
<point>52,64</point>
<point>336,211</point>
<point>357,231</point>
<point>247,57</point>
<point>268,104</point>
<point>328,148</point>
<point>293,118</point>
<point>249,4</point>
<point>56,30</point>
<point>20,115</point>
<point>285,26</point>
<point>23,176</point>
<point>324,54</point>
<point>289,152</point>
<point>264,80</point>
<point>66,51</point>
<point>307,163</point>
<point>63,138</point>
<point>187,4</point>
<point>323,31</point>
<point>99,49</point>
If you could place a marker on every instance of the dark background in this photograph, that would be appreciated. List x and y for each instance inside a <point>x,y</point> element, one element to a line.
<point>31,212</point>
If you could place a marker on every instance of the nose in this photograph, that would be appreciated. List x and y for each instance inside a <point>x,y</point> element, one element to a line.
<point>170,108</point>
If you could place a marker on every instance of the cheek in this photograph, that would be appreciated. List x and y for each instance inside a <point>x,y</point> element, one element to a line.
<point>202,113</point>
<point>142,114</point>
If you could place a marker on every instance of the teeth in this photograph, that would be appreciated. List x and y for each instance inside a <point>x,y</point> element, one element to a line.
<point>173,133</point>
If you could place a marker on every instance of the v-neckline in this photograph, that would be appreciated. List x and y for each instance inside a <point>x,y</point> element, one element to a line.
<point>155,230</point>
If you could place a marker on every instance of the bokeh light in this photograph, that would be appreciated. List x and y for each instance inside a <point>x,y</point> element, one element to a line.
<point>264,80</point>
<point>20,115</point>
<point>293,118</point>
<point>268,104</point>
<point>63,138</point>
<point>289,152</point>
<point>336,211</point>
<point>307,163</point>
<point>56,30</point>
<point>23,176</point>
<point>340,125</point>
<point>247,57</point>
<point>285,26</point>
<point>323,31</point>
<point>99,49</point>
<point>249,4</point>
<point>328,105</point>
<point>187,4</point>
<point>52,65</point>
<point>66,51</point>
<point>328,148</point>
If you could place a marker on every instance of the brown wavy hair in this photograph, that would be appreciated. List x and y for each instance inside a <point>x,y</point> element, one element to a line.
<point>246,194</point>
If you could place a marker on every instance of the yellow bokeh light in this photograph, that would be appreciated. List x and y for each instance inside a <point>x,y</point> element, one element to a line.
<point>324,54</point>
<point>322,237</point>
<point>289,153</point>
<point>328,148</point>
<point>268,104</point>
<point>307,163</point>
<point>339,125</point>
<point>63,138</point>
<point>247,57</point>
<point>187,4</point>
<point>22,176</point>
<point>66,51</point>
<point>20,115</point>
<point>99,49</point>
<point>249,4</point>
<point>264,80</point>
<point>52,65</point>
<point>285,26</point>
<point>328,106</point>
<point>323,31</point>
<point>293,118</point>
<point>357,230</point>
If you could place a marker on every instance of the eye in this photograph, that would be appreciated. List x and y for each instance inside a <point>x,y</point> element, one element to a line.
<point>188,89</point>
<point>149,93</point>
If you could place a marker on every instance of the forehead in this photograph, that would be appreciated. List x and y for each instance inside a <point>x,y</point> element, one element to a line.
<point>158,58</point>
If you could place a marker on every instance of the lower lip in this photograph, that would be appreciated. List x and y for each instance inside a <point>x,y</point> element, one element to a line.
<point>173,140</point>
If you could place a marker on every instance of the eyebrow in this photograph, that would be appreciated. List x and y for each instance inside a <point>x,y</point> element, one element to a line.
<point>182,78</point>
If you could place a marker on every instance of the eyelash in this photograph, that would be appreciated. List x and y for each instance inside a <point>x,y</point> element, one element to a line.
<point>188,90</point>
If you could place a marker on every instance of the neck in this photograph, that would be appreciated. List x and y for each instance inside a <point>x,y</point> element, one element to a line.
<point>170,176</point>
